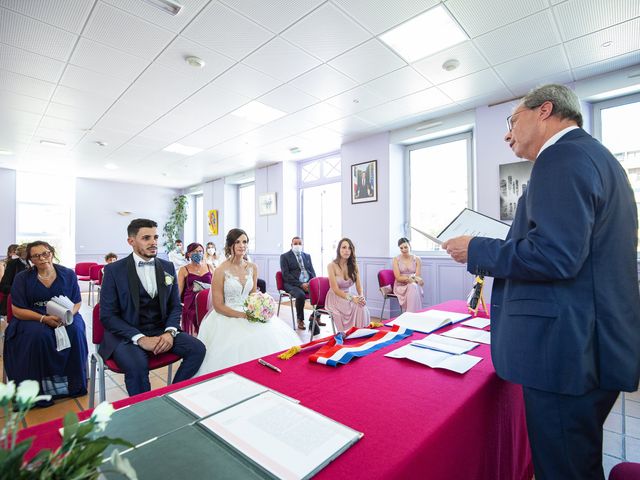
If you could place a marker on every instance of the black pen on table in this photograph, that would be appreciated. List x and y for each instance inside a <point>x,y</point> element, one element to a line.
<point>268,365</point>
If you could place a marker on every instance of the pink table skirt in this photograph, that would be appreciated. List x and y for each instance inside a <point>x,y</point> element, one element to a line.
<point>417,422</point>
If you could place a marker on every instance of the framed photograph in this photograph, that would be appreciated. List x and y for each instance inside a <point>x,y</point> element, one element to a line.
<point>267,204</point>
<point>364,182</point>
<point>212,215</point>
<point>514,178</point>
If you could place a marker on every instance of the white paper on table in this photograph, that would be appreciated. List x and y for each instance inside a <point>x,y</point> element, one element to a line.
<point>477,322</point>
<point>470,334</point>
<point>445,344</point>
<point>216,394</point>
<point>435,359</point>
<point>285,438</point>
<point>428,321</point>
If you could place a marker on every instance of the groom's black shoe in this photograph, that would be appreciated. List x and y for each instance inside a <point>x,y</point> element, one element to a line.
<point>314,325</point>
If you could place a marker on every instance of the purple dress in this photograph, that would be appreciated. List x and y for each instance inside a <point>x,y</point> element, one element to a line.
<point>346,314</point>
<point>189,320</point>
<point>409,294</point>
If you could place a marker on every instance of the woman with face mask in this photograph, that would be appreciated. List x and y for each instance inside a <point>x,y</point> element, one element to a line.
<point>192,278</point>
<point>211,255</point>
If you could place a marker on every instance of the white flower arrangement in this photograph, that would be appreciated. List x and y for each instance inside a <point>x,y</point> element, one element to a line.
<point>168,279</point>
<point>259,307</point>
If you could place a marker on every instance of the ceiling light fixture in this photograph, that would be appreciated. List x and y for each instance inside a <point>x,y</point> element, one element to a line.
<point>5,152</point>
<point>607,44</point>
<point>428,33</point>
<point>101,143</point>
<point>182,149</point>
<point>258,112</point>
<point>294,150</point>
<point>51,143</point>
<point>169,6</point>
<point>451,64</point>
<point>194,61</point>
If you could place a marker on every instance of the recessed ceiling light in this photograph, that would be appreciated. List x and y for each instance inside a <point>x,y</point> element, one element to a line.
<point>294,150</point>
<point>5,152</point>
<point>182,149</point>
<point>195,61</point>
<point>607,44</point>
<point>258,112</point>
<point>101,143</point>
<point>428,33</point>
<point>451,64</point>
<point>51,143</point>
<point>169,6</point>
<point>111,166</point>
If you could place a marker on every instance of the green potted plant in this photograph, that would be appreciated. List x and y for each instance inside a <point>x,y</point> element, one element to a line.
<point>176,222</point>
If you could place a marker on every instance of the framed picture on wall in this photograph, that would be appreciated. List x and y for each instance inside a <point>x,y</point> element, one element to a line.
<point>514,179</point>
<point>364,182</point>
<point>267,204</point>
<point>212,215</point>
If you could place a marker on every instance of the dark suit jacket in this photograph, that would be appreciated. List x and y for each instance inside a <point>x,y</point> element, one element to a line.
<point>291,270</point>
<point>120,300</point>
<point>565,308</point>
<point>14,267</point>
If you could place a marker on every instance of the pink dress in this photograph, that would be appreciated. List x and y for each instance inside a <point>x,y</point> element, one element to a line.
<point>409,294</point>
<point>346,314</point>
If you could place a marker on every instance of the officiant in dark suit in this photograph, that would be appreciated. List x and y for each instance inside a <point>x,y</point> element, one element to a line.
<point>140,311</point>
<point>297,270</point>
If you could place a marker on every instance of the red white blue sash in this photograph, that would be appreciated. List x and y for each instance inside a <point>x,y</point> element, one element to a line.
<point>335,352</point>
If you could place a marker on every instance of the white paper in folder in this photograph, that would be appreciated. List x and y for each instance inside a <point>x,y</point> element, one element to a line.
<point>62,308</point>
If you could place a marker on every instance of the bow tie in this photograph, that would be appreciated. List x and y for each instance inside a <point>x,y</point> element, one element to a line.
<point>146,264</point>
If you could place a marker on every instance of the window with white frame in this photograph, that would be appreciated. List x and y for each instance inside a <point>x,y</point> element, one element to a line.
<point>615,123</point>
<point>200,218</point>
<point>247,211</point>
<point>439,185</point>
<point>320,170</point>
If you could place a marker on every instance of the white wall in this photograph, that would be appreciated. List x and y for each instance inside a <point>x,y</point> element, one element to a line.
<point>7,209</point>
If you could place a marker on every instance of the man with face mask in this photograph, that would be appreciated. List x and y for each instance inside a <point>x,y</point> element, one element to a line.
<point>297,270</point>
<point>176,256</point>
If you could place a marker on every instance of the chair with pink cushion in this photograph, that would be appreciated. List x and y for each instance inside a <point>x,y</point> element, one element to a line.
<point>95,280</point>
<point>83,270</point>
<point>386,278</point>
<point>625,471</point>
<point>202,299</point>
<point>318,289</point>
<point>282,293</point>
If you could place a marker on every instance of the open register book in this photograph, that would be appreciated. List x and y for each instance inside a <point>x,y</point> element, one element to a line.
<point>429,321</point>
<point>435,359</point>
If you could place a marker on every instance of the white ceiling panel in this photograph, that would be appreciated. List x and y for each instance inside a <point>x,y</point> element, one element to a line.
<point>481,16</point>
<point>608,65</point>
<point>326,33</point>
<point>356,100</point>
<point>580,17</point>
<point>624,38</point>
<point>380,15</point>
<point>166,130</point>
<point>474,85</point>
<point>246,81</point>
<point>466,53</point>
<point>35,36</point>
<point>86,116</point>
<point>281,60</point>
<point>49,121</point>
<point>79,99</point>
<point>523,88</point>
<point>89,81</point>
<point>350,125</point>
<point>276,15</point>
<point>69,15</point>
<point>223,30</point>
<point>31,87</point>
<point>148,12</point>
<point>174,57</point>
<point>21,102</point>
<point>368,61</point>
<point>126,32</point>
<point>129,116</point>
<point>404,107</point>
<point>291,124</point>
<point>319,114</point>
<point>109,61</point>
<point>323,82</point>
<point>397,84</point>
<point>30,64</point>
<point>210,103</point>
<point>287,99</point>
<point>70,137</point>
<point>523,37</point>
<point>223,129</point>
<point>547,62</point>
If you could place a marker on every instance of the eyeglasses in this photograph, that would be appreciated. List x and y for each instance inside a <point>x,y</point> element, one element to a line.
<point>509,121</point>
<point>43,255</point>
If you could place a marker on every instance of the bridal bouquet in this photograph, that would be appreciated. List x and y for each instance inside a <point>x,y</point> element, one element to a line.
<point>259,307</point>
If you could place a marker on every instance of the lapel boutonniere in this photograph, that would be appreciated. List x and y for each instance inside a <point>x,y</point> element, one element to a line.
<point>168,279</point>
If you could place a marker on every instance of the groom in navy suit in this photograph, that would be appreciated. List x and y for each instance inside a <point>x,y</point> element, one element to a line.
<point>140,311</point>
<point>565,308</point>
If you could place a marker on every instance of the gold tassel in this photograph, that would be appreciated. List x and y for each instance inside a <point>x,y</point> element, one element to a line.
<point>376,324</point>
<point>290,353</point>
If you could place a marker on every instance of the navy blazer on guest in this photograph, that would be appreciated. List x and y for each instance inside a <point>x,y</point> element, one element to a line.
<point>120,301</point>
<point>565,308</point>
<point>291,269</point>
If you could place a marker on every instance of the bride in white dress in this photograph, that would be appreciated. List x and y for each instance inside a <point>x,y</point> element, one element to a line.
<point>229,337</point>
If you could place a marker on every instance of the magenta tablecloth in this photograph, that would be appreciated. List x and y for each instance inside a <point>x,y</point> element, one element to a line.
<point>417,422</point>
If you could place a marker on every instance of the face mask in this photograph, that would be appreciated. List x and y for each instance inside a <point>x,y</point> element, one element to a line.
<point>196,257</point>
<point>297,248</point>
<point>211,251</point>
<point>179,248</point>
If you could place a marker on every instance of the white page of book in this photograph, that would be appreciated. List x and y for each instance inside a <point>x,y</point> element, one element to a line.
<point>203,399</point>
<point>285,438</point>
<point>427,321</point>
<point>470,222</point>
<point>435,359</point>
<point>477,322</point>
<point>470,334</point>
<point>445,344</point>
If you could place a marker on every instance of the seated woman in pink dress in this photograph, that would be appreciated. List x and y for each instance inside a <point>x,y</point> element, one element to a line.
<point>409,283</point>
<point>197,270</point>
<point>348,310</point>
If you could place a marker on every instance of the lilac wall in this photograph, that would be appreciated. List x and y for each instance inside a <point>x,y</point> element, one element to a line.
<point>7,209</point>
<point>99,228</point>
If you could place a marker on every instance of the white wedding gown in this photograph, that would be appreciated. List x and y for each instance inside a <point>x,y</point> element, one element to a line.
<point>231,341</point>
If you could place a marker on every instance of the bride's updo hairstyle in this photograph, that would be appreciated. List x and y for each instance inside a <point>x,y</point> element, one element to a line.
<point>233,235</point>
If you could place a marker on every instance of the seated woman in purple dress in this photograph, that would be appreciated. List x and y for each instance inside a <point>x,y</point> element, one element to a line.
<point>348,310</point>
<point>30,339</point>
<point>197,270</point>
<point>409,283</point>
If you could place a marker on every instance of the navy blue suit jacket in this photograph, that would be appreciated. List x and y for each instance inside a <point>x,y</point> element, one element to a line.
<point>565,308</point>
<point>120,301</point>
<point>291,269</point>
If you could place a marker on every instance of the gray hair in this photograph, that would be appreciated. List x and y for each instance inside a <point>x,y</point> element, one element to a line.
<point>565,102</point>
